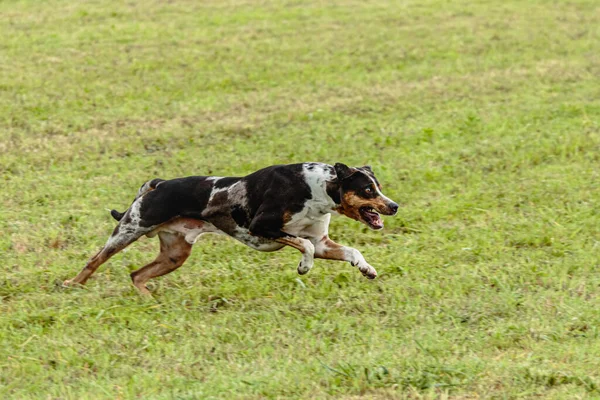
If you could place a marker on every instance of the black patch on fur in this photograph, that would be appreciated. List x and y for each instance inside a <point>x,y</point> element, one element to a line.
<point>367,169</point>
<point>225,182</point>
<point>155,182</point>
<point>358,183</point>
<point>173,198</point>
<point>273,192</point>
<point>343,171</point>
<point>240,216</point>
<point>333,190</point>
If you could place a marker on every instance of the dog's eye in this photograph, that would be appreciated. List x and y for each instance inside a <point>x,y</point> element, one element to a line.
<point>368,190</point>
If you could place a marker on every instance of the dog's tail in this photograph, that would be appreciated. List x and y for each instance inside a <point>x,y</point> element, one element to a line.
<point>145,188</point>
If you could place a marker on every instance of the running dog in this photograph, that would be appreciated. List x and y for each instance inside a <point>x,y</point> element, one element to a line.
<point>277,206</point>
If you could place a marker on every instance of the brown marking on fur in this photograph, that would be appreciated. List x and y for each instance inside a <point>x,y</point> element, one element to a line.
<point>293,242</point>
<point>352,203</point>
<point>287,216</point>
<point>174,250</point>
<point>331,250</point>
<point>100,258</point>
<point>189,223</point>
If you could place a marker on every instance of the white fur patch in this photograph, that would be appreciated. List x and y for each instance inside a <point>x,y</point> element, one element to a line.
<point>214,192</point>
<point>237,193</point>
<point>387,199</point>
<point>130,230</point>
<point>316,176</point>
<point>313,220</point>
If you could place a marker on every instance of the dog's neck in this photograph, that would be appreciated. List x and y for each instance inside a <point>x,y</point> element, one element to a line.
<point>333,191</point>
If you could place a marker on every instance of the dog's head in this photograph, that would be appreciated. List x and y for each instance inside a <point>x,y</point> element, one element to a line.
<point>360,196</point>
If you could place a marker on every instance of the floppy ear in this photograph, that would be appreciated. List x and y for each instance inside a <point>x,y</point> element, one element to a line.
<point>368,168</point>
<point>342,171</point>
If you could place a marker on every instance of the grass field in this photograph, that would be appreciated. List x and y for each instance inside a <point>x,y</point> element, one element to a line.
<point>481,118</point>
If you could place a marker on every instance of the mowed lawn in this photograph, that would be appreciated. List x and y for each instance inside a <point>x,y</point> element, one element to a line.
<point>481,118</point>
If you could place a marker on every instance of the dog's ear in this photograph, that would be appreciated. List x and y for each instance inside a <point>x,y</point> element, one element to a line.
<point>343,171</point>
<point>367,168</point>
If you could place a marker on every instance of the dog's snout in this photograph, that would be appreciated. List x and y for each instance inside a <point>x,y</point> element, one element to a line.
<point>393,207</point>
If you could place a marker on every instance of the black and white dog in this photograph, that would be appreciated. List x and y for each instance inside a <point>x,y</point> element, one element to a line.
<point>266,210</point>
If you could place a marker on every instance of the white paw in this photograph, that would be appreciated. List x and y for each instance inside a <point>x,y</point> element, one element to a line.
<point>367,270</point>
<point>68,283</point>
<point>305,265</point>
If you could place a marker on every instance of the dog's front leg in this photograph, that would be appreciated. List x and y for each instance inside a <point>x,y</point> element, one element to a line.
<point>328,249</point>
<point>264,224</point>
<point>306,248</point>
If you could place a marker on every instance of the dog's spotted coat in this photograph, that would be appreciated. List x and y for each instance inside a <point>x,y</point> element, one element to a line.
<point>266,210</point>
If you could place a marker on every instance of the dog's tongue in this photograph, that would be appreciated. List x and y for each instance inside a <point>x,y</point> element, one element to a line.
<point>375,220</point>
<point>378,222</point>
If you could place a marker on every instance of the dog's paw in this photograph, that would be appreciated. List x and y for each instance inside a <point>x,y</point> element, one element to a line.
<point>368,271</point>
<point>68,284</point>
<point>305,264</point>
<point>303,267</point>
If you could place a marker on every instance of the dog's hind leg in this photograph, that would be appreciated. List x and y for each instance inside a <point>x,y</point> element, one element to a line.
<point>127,231</point>
<point>174,250</point>
<point>115,244</point>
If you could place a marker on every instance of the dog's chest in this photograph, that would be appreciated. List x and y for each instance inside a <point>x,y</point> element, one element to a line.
<point>311,220</point>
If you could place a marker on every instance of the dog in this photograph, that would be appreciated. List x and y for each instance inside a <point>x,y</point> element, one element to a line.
<point>277,206</point>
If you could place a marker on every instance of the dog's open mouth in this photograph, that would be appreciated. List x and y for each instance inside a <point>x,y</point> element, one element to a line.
<point>371,217</point>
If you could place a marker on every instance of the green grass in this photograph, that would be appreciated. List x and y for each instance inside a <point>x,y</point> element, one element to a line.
<point>482,119</point>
